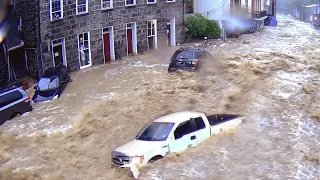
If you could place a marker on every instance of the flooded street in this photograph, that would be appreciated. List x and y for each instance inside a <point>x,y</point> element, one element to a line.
<point>273,81</point>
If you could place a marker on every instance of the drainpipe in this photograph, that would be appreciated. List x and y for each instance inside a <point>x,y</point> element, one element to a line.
<point>183,16</point>
<point>39,43</point>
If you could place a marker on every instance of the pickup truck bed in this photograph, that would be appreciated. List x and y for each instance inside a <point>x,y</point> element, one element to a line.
<point>220,118</point>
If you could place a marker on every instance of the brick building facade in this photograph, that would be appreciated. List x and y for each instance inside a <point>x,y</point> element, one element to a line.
<point>82,33</point>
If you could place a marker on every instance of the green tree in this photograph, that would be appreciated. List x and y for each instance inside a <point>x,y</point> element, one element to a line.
<point>200,27</point>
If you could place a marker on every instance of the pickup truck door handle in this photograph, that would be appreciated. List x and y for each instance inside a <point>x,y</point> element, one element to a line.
<point>193,137</point>
<point>164,146</point>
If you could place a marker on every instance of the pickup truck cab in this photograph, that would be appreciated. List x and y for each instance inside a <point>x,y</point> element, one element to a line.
<point>171,133</point>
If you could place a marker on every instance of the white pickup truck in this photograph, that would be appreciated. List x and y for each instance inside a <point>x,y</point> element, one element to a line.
<point>172,133</point>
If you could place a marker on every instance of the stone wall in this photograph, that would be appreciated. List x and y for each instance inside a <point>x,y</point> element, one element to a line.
<point>27,10</point>
<point>3,66</point>
<point>71,25</point>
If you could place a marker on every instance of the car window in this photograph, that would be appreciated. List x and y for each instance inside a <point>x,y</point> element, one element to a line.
<point>156,131</point>
<point>48,83</point>
<point>198,123</point>
<point>10,98</point>
<point>183,54</point>
<point>183,129</point>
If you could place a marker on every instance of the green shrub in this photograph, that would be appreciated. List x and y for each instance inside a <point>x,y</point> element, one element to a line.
<point>200,27</point>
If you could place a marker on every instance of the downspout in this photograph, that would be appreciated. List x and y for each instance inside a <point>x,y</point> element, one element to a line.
<point>183,16</point>
<point>39,43</point>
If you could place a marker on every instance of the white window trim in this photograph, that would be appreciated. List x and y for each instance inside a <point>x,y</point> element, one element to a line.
<point>171,1</point>
<point>134,4</point>
<point>155,1</point>
<point>89,47</point>
<point>61,5</point>
<point>63,44</point>
<point>153,29</point>
<point>20,23</point>
<point>87,7</point>
<point>111,5</point>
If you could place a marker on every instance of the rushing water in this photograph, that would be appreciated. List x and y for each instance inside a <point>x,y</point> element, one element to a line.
<point>274,81</point>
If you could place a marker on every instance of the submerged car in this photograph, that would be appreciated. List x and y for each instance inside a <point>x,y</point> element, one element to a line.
<point>14,101</point>
<point>172,133</point>
<point>188,59</point>
<point>52,84</point>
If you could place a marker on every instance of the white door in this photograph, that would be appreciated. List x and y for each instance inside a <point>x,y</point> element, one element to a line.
<point>183,137</point>
<point>84,50</point>
<point>201,131</point>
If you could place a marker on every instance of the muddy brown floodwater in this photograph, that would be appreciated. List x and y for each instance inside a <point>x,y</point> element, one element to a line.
<point>273,80</point>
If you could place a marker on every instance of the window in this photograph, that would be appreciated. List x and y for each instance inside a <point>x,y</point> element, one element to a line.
<point>130,2</point>
<point>171,0</point>
<point>151,1</point>
<point>151,28</point>
<point>198,123</point>
<point>84,50</point>
<point>48,83</point>
<point>106,4</point>
<point>9,98</point>
<point>19,23</point>
<point>82,6</point>
<point>56,9</point>
<point>183,129</point>
<point>156,131</point>
<point>183,54</point>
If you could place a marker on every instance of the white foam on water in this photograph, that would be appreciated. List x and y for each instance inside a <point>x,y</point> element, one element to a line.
<point>58,129</point>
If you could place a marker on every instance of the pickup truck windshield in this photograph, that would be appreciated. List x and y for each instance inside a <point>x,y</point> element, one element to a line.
<point>156,131</point>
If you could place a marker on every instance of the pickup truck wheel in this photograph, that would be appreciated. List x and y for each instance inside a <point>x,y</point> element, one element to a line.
<point>156,158</point>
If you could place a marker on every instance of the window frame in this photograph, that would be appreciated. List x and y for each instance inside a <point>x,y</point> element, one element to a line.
<point>154,2</point>
<point>111,5</point>
<point>179,126</point>
<point>89,48</point>
<point>19,23</point>
<point>134,3</point>
<point>196,128</point>
<point>61,10</point>
<point>152,28</point>
<point>87,8</point>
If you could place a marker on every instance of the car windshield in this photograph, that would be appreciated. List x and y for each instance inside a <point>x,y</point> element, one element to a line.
<point>156,131</point>
<point>48,83</point>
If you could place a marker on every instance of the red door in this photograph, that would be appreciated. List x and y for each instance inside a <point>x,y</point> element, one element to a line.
<point>107,53</point>
<point>168,28</point>
<point>129,39</point>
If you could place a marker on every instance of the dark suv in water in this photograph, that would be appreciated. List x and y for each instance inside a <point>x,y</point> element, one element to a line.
<point>13,102</point>
<point>188,59</point>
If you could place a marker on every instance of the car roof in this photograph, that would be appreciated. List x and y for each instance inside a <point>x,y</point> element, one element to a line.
<point>190,49</point>
<point>10,88</point>
<point>178,117</point>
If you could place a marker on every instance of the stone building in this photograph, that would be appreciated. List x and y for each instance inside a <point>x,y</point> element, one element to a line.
<point>82,33</point>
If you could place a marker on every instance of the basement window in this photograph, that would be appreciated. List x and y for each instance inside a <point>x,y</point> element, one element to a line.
<point>82,6</point>
<point>171,1</point>
<point>106,4</point>
<point>151,1</point>
<point>130,2</point>
<point>56,9</point>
